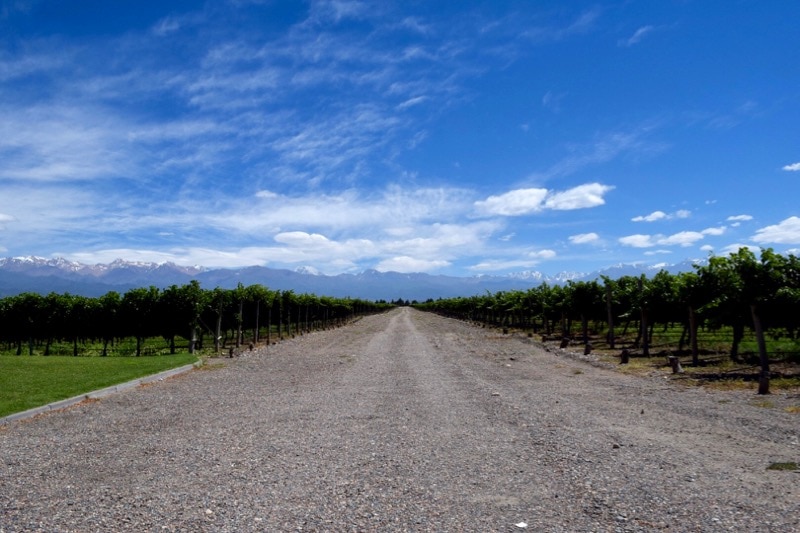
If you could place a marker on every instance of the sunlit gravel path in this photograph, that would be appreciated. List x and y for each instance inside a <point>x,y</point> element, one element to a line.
<point>404,421</point>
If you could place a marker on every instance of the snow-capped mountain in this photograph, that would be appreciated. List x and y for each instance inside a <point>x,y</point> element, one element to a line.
<point>41,275</point>
<point>637,269</point>
<point>36,265</point>
<point>538,277</point>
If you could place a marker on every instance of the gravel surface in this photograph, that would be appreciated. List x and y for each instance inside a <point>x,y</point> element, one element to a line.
<point>404,422</point>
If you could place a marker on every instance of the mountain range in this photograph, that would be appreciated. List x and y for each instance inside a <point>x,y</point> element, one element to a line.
<point>41,275</point>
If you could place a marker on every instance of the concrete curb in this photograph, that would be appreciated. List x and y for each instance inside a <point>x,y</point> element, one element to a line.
<point>101,393</point>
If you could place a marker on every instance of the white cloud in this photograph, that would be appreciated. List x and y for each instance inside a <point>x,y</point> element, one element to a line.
<point>4,219</point>
<point>584,238</point>
<point>733,248</point>
<point>441,241</point>
<point>661,215</point>
<point>739,218</point>
<point>526,201</point>
<point>333,232</point>
<point>637,241</point>
<point>580,197</point>
<point>303,239</point>
<point>714,231</point>
<point>657,252</point>
<point>794,167</point>
<point>652,217</point>
<point>513,203</point>
<point>239,98</point>
<point>347,210</point>
<point>682,238</point>
<point>510,264</point>
<point>409,264</point>
<point>292,248</point>
<point>267,195</point>
<point>707,248</point>
<point>785,232</point>
<point>542,254</point>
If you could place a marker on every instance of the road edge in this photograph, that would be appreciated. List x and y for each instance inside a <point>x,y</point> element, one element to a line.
<point>97,394</point>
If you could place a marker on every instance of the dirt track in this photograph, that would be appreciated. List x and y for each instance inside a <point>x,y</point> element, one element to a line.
<point>404,421</point>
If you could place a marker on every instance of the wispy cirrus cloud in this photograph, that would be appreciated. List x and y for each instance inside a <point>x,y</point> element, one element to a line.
<point>604,148</point>
<point>245,87</point>
<point>582,23</point>
<point>552,101</point>
<point>637,36</point>
<point>334,11</point>
<point>61,143</point>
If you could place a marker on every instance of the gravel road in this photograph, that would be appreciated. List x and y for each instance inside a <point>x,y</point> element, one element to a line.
<point>404,421</point>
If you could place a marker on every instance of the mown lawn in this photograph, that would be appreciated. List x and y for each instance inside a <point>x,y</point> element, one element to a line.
<point>31,381</point>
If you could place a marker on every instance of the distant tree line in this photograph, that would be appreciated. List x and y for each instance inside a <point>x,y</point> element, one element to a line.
<point>187,314</point>
<point>736,292</point>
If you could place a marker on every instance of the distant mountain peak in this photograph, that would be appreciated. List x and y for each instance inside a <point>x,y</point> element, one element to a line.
<point>308,270</point>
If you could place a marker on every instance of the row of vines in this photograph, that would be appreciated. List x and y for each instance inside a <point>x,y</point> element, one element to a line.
<point>737,294</point>
<point>187,315</point>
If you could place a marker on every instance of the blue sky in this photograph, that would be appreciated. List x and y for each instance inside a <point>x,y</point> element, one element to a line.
<point>459,138</point>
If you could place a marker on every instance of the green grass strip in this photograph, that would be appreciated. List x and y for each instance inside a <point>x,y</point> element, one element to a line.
<point>783,466</point>
<point>31,381</point>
